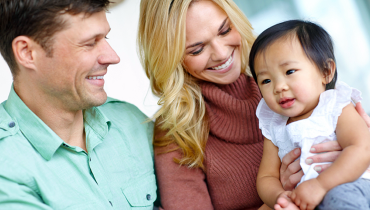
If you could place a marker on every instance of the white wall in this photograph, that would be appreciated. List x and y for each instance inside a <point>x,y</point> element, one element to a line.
<point>125,81</point>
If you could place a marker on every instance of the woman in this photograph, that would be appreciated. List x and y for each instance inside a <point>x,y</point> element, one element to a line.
<point>207,142</point>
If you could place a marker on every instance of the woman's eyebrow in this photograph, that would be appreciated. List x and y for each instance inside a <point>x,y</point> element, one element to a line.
<point>219,29</point>
<point>223,23</point>
<point>193,45</point>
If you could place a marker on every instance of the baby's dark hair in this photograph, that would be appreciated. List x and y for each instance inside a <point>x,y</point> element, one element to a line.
<point>315,41</point>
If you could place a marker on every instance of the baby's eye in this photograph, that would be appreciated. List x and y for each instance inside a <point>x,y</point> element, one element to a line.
<point>290,72</point>
<point>265,81</point>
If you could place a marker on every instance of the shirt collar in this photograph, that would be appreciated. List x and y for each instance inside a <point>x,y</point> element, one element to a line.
<point>99,123</point>
<point>43,139</point>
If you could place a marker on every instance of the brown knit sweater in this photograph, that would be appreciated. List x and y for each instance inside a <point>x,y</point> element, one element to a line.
<point>232,157</point>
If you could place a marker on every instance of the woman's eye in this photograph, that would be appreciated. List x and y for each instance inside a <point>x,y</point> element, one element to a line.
<point>225,31</point>
<point>266,81</point>
<point>197,52</point>
<point>290,72</point>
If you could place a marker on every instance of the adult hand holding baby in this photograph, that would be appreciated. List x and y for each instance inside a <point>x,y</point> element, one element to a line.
<point>291,173</point>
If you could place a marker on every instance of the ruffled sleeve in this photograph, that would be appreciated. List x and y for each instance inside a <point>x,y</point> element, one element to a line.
<point>272,126</point>
<point>333,101</point>
<point>264,115</point>
<point>270,123</point>
<point>323,120</point>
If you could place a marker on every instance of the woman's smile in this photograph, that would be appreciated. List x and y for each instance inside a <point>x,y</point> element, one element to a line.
<point>223,65</point>
<point>213,52</point>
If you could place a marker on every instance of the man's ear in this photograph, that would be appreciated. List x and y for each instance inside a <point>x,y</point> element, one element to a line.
<point>330,67</point>
<point>24,51</point>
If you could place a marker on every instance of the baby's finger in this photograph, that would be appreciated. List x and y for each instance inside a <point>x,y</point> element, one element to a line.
<point>311,207</point>
<point>277,207</point>
<point>297,201</point>
<point>303,205</point>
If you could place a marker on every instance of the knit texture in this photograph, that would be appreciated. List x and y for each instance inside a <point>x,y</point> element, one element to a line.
<point>235,144</point>
<point>232,157</point>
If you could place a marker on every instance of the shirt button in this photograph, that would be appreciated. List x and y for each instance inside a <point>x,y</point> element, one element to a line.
<point>11,124</point>
<point>110,203</point>
<point>148,197</point>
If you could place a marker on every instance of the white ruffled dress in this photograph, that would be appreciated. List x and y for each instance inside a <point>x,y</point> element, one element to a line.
<point>318,128</point>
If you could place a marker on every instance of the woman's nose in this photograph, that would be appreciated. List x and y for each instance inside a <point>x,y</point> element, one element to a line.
<point>220,51</point>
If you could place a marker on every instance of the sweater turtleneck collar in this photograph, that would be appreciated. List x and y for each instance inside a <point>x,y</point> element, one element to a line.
<point>231,110</point>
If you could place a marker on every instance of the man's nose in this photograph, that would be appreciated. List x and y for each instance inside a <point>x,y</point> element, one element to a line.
<point>108,55</point>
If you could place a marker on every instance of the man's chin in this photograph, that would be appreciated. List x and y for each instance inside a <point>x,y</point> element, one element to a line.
<point>94,101</point>
<point>100,101</point>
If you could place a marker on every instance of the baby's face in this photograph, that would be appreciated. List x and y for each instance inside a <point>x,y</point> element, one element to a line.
<point>289,82</point>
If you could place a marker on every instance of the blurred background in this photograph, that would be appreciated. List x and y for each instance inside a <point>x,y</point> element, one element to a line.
<point>347,21</point>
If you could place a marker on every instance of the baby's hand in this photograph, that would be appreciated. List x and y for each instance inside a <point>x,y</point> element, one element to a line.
<point>284,202</point>
<point>308,194</point>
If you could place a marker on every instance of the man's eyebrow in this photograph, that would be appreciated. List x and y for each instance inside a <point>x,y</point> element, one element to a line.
<point>94,36</point>
<point>223,23</point>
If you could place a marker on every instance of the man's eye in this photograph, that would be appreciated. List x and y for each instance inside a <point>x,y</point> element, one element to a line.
<point>265,81</point>
<point>290,72</point>
<point>92,44</point>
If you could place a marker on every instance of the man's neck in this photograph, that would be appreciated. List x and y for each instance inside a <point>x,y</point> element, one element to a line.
<point>68,125</point>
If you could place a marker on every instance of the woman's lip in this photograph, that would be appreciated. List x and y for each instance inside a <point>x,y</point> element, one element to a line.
<point>220,64</point>
<point>223,70</point>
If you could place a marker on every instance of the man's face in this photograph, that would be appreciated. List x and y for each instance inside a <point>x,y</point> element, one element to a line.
<point>73,77</point>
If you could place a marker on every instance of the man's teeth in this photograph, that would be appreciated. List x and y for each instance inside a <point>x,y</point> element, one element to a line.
<point>225,65</point>
<point>98,77</point>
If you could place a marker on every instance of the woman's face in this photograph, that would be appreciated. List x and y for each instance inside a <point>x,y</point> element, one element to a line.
<point>212,44</point>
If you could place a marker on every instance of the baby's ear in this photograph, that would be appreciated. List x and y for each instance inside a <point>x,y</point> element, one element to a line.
<point>330,68</point>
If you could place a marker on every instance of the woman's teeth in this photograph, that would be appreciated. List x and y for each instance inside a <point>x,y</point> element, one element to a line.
<point>225,65</point>
<point>97,77</point>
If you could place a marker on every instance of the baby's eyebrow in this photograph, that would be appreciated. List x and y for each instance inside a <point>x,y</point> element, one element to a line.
<point>287,63</point>
<point>261,73</point>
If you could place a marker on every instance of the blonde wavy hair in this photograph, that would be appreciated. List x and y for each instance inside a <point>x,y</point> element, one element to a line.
<point>182,118</point>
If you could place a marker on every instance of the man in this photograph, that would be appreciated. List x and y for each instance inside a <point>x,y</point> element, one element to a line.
<point>63,145</point>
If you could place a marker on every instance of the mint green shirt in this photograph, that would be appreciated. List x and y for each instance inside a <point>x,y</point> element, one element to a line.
<point>38,170</point>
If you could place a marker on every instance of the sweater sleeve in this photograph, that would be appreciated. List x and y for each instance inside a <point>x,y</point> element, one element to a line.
<point>179,186</point>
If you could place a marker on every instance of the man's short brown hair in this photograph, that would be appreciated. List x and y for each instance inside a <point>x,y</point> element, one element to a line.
<point>38,20</point>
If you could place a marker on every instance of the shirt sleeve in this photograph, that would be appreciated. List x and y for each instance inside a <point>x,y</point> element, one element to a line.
<point>14,195</point>
<point>180,187</point>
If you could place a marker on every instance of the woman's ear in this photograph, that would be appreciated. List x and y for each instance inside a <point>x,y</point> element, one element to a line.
<point>330,68</point>
<point>24,49</point>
